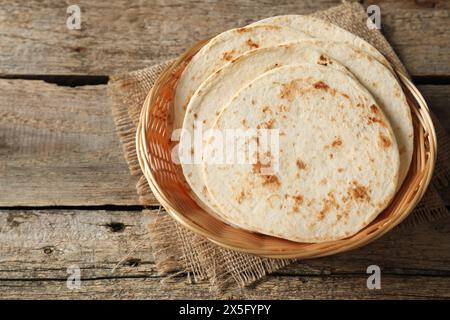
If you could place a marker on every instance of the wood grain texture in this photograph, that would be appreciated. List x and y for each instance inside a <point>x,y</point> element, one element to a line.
<point>37,247</point>
<point>58,146</point>
<point>124,35</point>
<point>438,99</point>
<point>275,287</point>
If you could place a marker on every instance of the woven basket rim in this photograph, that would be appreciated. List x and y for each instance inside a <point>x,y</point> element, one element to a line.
<point>424,134</point>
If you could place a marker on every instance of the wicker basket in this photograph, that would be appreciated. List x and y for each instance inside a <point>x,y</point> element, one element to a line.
<point>166,180</point>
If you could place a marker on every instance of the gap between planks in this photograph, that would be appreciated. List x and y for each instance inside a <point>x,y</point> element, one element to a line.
<point>92,80</point>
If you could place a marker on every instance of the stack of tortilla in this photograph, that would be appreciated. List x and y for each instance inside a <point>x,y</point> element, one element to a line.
<point>340,129</point>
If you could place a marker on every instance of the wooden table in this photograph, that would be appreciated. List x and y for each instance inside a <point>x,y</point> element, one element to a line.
<point>66,195</point>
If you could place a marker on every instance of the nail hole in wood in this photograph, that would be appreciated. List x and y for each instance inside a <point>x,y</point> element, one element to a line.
<point>48,250</point>
<point>79,49</point>
<point>116,226</point>
<point>133,262</point>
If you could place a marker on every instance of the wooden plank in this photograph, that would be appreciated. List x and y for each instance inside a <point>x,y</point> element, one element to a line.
<point>438,99</point>
<point>58,146</point>
<point>43,243</point>
<point>124,35</point>
<point>275,287</point>
<point>37,247</point>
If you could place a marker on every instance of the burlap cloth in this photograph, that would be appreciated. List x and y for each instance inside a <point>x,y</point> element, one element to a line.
<point>177,249</point>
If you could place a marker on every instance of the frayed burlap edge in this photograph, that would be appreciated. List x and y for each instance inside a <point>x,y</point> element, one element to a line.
<point>178,250</point>
<point>202,259</point>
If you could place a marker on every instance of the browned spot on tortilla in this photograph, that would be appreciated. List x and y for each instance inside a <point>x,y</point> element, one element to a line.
<point>266,108</point>
<point>384,141</point>
<point>256,168</point>
<point>253,102</point>
<point>323,181</point>
<point>321,85</point>
<point>358,192</point>
<point>336,142</point>
<point>323,211</point>
<point>195,116</point>
<point>345,95</point>
<point>266,125</point>
<point>340,170</point>
<point>244,122</point>
<point>190,174</point>
<point>301,165</point>
<point>204,121</point>
<point>271,179</point>
<point>331,156</point>
<point>324,60</point>
<point>283,108</point>
<point>252,44</point>
<point>327,204</point>
<point>204,190</point>
<point>276,65</point>
<point>240,197</point>
<point>298,199</point>
<point>288,90</point>
<point>270,123</point>
<point>374,109</point>
<point>243,30</point>
<point>332,200</point>
<point>228,55</point>
<point>359,105</point>
<point>373,120</point>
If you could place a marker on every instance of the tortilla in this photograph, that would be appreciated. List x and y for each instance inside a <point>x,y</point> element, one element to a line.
<point>218,90</point>
<point>385,88</point>
<point>218,52</point>
<point>338,161</point>
<point>321,29</point>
